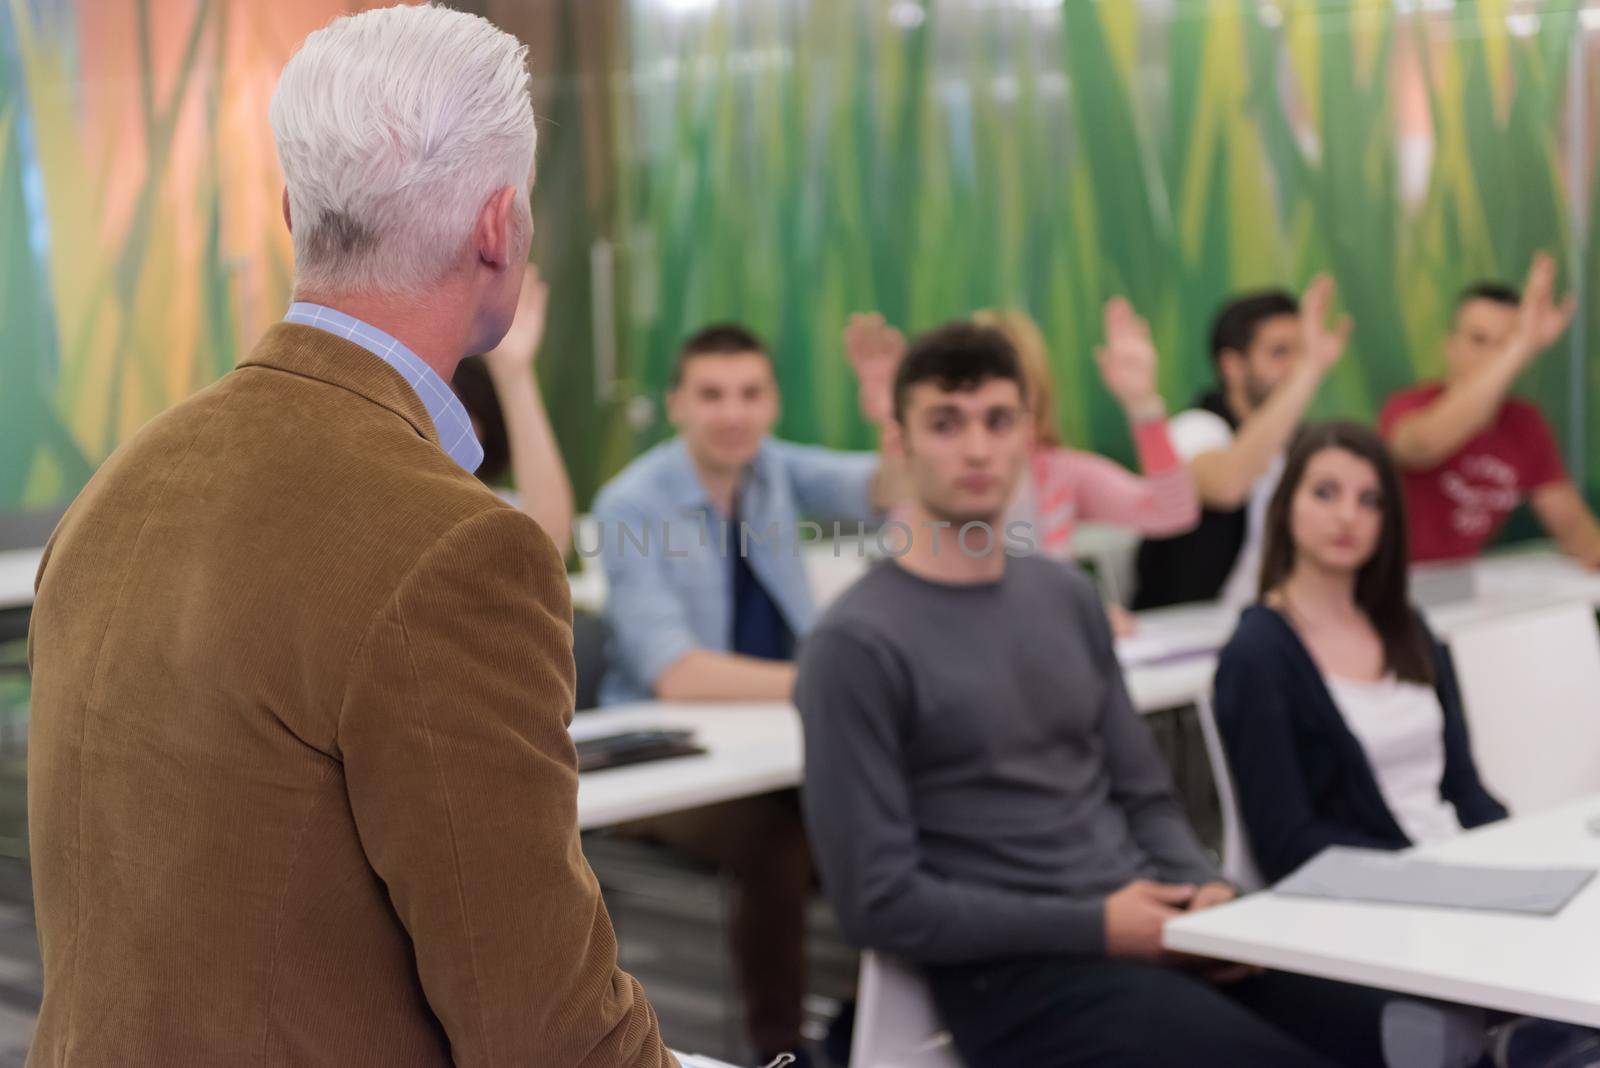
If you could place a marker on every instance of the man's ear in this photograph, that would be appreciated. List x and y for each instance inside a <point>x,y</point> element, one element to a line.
<point>287,221</point>
<point>492,233</point>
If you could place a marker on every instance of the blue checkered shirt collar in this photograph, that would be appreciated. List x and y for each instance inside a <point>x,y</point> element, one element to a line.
<point>450,419</point>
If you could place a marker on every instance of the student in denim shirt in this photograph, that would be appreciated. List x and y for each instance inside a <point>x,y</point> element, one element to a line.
<point>707,598</point>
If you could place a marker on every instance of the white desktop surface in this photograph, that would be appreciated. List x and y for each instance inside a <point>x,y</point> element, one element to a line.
<point>18,567</point>
<point>1537,965</point>
<point>751,749</point>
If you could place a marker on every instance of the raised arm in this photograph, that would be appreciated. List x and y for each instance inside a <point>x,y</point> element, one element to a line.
<point>1224,477</point>
<point>1423,439</point>
<point>1162,501</point>
<point>874,349</point>
<point>543,488</point>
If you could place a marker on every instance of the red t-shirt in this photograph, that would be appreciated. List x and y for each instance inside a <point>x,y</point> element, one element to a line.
<point>1455,508</point>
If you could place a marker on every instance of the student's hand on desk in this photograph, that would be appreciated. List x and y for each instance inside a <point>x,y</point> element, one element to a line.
<point>1136,914</point>
<point>874,349</point>
<point>1221,972</point>
<point>1211,895</point>
<point>514,355</point>
<point>1540,319</point>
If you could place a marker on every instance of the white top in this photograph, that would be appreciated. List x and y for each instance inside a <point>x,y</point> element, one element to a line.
<point>1400,726</point>
<point>1196,432</point>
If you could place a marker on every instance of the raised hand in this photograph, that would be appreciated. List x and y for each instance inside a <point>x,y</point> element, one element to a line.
<point>1323,344</point>
<point>1128,360</point>
<point>874,349</point>
<point>516,351</point>
<point>1540,318</point>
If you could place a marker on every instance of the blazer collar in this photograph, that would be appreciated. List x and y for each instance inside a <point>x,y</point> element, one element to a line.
<point>325,357</point>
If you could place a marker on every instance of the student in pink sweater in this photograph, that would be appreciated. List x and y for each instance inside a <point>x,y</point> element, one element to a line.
<point>1070,485</point>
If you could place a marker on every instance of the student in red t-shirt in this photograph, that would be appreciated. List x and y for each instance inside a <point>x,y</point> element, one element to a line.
<point>1468,452</point>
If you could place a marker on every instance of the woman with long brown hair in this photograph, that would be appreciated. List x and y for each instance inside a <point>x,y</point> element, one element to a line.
<point>1338,709</point>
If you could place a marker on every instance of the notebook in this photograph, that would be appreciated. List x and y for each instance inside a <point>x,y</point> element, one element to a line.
<point>1342,873</point>
<point>600,751</point>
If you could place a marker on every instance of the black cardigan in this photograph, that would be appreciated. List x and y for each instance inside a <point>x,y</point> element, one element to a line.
<point>1301,778</point>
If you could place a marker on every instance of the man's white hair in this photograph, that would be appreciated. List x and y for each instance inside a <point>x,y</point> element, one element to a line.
<point>393,128</point>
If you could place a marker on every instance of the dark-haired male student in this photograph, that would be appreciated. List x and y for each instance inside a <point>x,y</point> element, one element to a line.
<point>1270,353</point>
<point>1468,452</point>
<point>984,801</point>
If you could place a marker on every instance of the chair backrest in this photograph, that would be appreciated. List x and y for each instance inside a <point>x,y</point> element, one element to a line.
<point>1238,862</point>
<point>589,652</point>
<point>896,1023</point>
<point>1531,686</point>
<point>1111,552</point>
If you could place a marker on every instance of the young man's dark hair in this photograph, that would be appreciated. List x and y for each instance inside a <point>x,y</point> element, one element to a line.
<point>956,356</point>
<point>718,339</point>
<point>1235,325</point>
<point>1498,292</point>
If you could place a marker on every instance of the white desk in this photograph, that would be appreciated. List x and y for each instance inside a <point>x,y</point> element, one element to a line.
<point>1504,584</point>
<point>751,749</point>
<point>1540,966</point>
<point>1170,660</point>
<point>17,570</point>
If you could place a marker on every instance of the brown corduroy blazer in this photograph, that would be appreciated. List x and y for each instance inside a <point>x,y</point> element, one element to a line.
<point>300,786</point>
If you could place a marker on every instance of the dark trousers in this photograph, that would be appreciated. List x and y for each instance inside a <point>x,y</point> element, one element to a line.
<point>760,844</point>
<point>1057,1013</point>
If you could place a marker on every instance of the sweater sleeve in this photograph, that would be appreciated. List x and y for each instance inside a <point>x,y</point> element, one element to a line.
<point>1141,783</point>
<point>1160,503</point>
<point>1255,698</point>
<point>853,696</point>
<point>1474,804</point>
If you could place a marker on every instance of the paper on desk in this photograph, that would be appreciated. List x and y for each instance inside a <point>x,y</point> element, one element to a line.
<point>691,1060</point>
<point>1149,649</point>
<point>1345,874</point>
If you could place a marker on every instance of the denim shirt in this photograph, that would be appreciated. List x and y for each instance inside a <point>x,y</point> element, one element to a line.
<point>667,551</point>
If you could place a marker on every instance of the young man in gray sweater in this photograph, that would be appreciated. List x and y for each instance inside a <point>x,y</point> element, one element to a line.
<point>983,799</point>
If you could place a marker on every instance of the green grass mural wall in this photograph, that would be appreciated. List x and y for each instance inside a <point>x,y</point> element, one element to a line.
<point>787,162</point>
<point>796,162</point>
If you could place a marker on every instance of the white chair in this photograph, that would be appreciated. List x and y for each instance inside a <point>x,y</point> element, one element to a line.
<point>896,1023</point>
<point>1113,551</point>
<point>1531,686</point>
<point>1238,862</point>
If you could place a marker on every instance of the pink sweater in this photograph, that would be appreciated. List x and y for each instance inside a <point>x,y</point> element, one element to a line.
<point>1069,485</point>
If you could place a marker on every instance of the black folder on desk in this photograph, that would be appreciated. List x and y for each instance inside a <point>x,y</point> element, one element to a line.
<point>634,747</point>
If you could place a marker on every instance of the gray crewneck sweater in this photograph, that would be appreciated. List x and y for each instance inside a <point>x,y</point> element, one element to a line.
<point>977,780</point>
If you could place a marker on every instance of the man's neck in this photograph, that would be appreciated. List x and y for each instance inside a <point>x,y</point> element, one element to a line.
<point>938,552</point>
<point>440,340</point>
<point>721,485</point>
